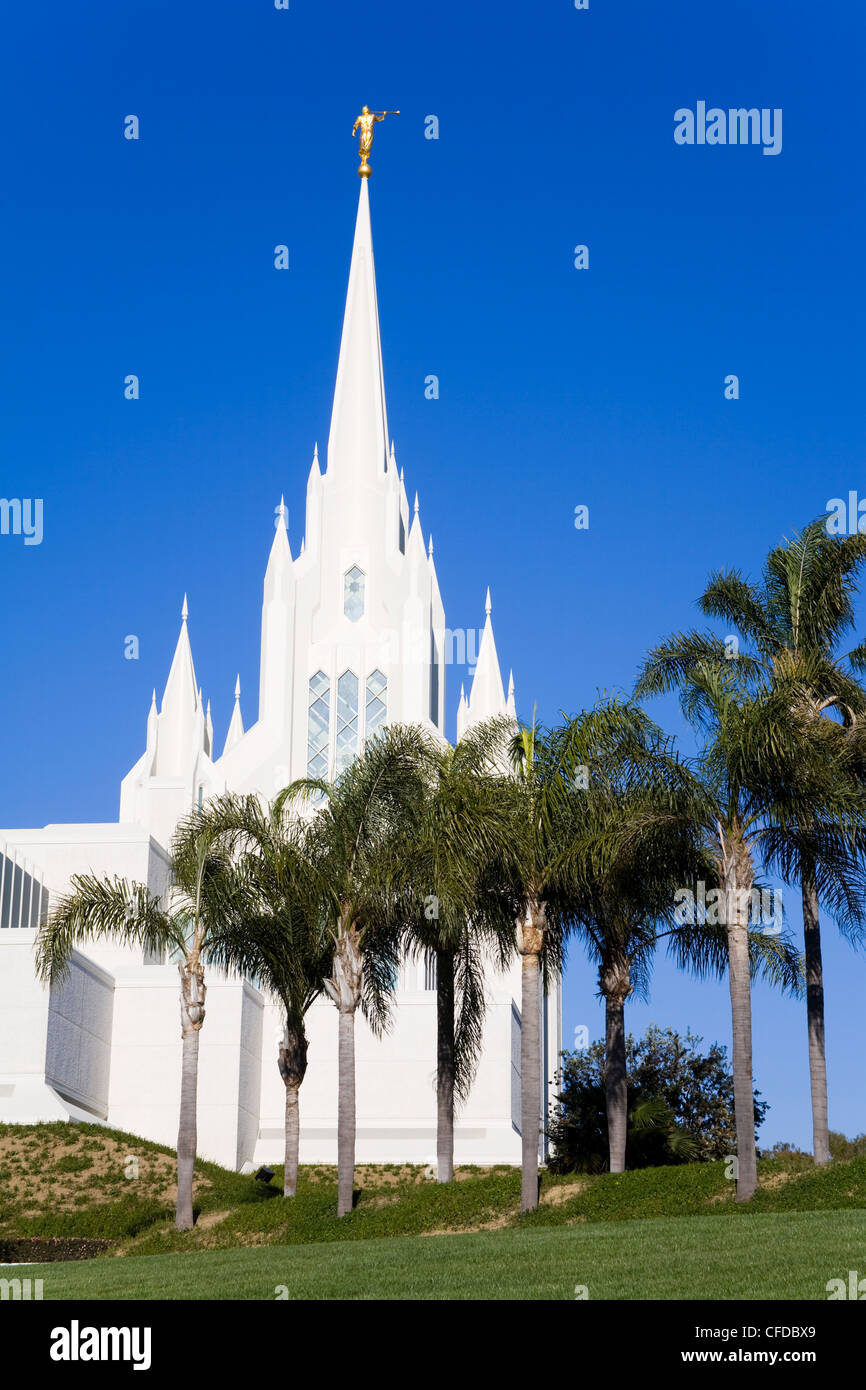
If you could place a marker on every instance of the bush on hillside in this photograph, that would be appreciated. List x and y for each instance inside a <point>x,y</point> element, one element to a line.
<point>680,1104</point>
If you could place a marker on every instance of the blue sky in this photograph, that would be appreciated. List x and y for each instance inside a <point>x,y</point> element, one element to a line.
<point>558,387</point>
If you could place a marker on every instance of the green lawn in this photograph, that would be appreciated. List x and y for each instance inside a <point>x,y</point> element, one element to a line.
<point>673,1232</point>
<point>764,1256</point>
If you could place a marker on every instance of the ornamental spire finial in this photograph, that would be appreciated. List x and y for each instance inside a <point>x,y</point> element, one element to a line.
<point>366,121</point>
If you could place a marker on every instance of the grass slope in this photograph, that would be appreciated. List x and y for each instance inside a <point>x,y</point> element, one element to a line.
<point>789,1256</point>
<point>652,1233</point>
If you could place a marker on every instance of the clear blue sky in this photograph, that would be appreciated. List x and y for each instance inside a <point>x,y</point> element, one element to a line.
<point>558,386</point>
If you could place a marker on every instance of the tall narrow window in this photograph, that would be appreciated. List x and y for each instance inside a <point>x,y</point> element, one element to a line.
<point>434,680</point>
<point>376,711</point>
<point>318,725</point>
<point>429,969</point>
<point>347,719</point>
<point>353,594</point>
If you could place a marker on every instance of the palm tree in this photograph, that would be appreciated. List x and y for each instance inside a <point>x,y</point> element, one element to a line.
<point>765,778</point>
<point>192,928</point>
<point>353,843</point>
<point>278,939</point>
<point>463,918</point>
<point>793,621</point>
<point>539,824</point>
<point>638,842</point>
<point>632,847</point>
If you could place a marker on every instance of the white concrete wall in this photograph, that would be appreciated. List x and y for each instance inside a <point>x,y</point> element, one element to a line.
<point>144,1096</point>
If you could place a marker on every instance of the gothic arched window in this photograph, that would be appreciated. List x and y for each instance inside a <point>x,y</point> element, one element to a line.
<point>353,594</point>
<point>376,711</point>
<point>318,725</point>
<point>347,719</point>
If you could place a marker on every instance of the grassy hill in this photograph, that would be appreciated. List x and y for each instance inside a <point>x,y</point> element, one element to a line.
<point>85,1180</point>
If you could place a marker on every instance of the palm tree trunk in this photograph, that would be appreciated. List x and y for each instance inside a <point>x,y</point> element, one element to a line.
<point>815,1015</point>
<point>293,1137</point>
<point>346,1113</point>
<point>531,938</point>
<point>615,1083</point>
<point>293,1068</point>
<point>344,990</point>
<point>187,1135</point>
<point>192,1012</point>
<point>445,1064</point>
<point>741,1022</point>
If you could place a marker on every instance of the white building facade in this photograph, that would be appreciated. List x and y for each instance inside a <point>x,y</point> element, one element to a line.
<point>353,635</point>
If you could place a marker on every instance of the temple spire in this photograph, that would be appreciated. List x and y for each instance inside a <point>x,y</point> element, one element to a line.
<point>487,696</point>
<point>358,440</point>
<point>180,726</point>
<point>236,727</point>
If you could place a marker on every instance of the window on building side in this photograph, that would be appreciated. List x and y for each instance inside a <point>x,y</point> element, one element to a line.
<point>434,680</point>
<point>347,719</point>
<point>318,725</point>
<point>353,594</point>
<point>430,970</point>
<point>376,711</point>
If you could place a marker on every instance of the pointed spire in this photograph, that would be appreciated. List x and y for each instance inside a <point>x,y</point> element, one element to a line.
<point>279,570</point>
<point>462,712</point>
<point>430,547</point>
<point>181,685</point>
<point>236,726</point>
<point>416,504</point>
<point>510,705</point>
<point>208,727</point>
<point>487,697</point>
<point>180,723</point>
<point>358,439</point>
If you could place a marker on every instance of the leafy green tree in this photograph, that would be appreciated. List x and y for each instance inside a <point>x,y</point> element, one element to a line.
<point>681,1104</point>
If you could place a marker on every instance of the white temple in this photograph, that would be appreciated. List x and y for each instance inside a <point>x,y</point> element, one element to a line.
<point>353,635</point>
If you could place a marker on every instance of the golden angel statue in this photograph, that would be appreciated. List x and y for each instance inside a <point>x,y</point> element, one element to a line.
<point>366,121</point>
